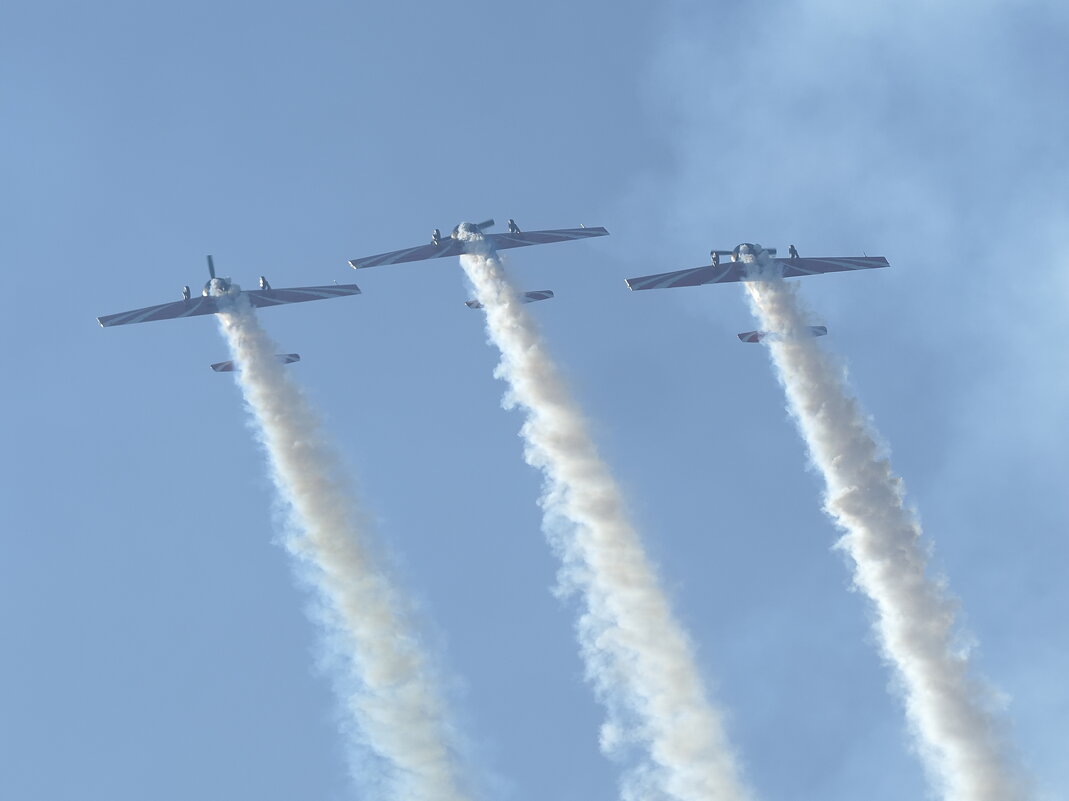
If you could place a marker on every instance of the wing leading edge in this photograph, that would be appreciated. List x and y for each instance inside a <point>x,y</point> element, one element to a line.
<point>736,271</point>
<point>259,298</point>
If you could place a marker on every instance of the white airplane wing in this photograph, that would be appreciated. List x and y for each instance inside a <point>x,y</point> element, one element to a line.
<point>737,271</point>
<point>261,298</point>
<point>521,239</point>
<point>447,247</point>
<point>458,247</point>
<point>211,305</point>
<point>165,311</point>
<point>793,268</point>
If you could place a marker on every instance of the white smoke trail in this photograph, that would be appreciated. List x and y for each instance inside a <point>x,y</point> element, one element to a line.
<point>948,710</point>
<point>637,656</point>
<point>388,691</point>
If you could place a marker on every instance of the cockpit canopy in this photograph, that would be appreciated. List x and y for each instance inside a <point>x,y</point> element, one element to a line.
<point>467,229</point>
<point>747,249</point>
<point>216,287</point>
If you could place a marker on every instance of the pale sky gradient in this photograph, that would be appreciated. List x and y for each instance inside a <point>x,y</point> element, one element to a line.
<point>155,642</point>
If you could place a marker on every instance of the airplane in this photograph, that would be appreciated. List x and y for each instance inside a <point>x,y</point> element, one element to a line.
<point>744,259</point>
<point>761,336</point>
<point>472,238</point>
<point>214,299</point>
<point>284,358</point>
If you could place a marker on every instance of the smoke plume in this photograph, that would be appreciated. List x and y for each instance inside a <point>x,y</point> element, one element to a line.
<point>636,654</point>
<point>387,689</point>
<point>948,710</point>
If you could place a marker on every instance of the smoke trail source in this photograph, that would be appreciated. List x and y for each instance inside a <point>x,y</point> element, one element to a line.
<point>636,654</point>
<point>388,690</point>
<point>954,730</point>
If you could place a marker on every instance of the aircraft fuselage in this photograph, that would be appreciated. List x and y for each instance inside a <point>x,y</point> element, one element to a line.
<point>749,249</point>
<point>216,287</point>
<point>466,230</point>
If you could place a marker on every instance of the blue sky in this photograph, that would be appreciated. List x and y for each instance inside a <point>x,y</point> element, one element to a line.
<point>154,638</point>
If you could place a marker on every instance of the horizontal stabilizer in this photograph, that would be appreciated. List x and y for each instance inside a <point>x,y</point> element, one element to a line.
<point>526,297</point>
<point>285,358</point>
<point>761,336</point>
<point>536,295</point>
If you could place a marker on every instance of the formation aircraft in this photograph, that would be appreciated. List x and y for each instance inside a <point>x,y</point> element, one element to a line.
<point>217,295</point>
<point>472,238</point>
<point>748,263</point>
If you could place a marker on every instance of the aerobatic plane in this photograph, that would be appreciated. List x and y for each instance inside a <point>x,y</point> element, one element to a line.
<point>218,294</point>
<point>472,238</point>
<point>751,262</point>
